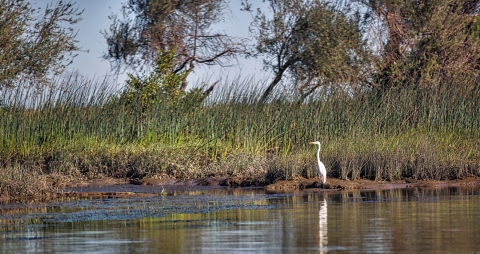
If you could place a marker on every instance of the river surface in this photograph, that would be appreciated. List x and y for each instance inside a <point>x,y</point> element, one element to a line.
<point>206,220</point>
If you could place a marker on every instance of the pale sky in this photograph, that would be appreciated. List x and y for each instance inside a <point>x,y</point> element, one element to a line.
<point>95,19</point>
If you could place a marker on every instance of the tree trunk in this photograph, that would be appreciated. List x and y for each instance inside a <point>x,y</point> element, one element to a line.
<point>277,79</point>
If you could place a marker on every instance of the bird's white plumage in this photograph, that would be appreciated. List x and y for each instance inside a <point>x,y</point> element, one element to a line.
<point>321,170</point>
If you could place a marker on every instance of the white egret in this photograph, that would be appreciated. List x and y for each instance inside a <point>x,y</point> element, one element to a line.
<point>320,167</point>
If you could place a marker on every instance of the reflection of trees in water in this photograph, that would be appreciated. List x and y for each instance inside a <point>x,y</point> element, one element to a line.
<point>322,226</point>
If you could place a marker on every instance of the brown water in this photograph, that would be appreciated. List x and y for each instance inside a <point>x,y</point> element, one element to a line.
<point>443,220</point>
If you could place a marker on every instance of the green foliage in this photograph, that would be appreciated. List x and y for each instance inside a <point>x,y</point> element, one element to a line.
<point>475,23</point>
<point>429,44</point>
<point>33,46</point>
<point>319,44</point>
<point>161,87</point>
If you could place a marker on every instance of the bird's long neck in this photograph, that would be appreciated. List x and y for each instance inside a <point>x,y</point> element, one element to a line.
<point>318,151</point>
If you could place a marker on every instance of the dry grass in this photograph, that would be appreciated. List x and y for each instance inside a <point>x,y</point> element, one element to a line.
<point>20,183</point>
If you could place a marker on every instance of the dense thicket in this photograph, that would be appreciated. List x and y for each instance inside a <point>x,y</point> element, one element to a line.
<point>429,44</point>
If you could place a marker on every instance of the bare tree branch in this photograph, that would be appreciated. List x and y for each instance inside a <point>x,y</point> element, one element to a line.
<point>179,25</point>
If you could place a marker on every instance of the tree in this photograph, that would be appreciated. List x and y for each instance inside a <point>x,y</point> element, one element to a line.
<point>33,45</point>
<point>158,91</point>
<point>150,26</point>
<point>427,43</point>
<point>315,42</point>
<point>160,87</point>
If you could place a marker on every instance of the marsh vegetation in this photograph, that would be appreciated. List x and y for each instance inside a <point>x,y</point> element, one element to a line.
<point>86,133</point>
<point>390,88</point>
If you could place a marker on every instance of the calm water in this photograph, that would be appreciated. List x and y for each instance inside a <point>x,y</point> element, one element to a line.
<point>443,220</point>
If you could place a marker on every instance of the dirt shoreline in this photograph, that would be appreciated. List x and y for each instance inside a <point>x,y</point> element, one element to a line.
<point>297,183</point>
<point>109,187</point>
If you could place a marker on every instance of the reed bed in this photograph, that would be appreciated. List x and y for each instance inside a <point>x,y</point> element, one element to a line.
<point>76,128</point>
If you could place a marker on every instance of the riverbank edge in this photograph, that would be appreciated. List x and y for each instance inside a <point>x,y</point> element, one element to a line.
<point>108,187</point>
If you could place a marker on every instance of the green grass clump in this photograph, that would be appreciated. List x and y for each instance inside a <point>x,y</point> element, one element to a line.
<point>77,129</point>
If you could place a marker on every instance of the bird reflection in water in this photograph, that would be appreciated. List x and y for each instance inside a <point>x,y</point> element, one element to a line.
<point>322,226</point>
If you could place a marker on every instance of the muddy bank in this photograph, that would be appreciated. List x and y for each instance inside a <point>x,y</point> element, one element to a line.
<point>122,188</point>
<point>368,184</point>
<point>297,183</point>
<point>115,187</point>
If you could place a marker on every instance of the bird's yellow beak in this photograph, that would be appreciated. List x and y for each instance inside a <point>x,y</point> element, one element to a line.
<point>312,143</point>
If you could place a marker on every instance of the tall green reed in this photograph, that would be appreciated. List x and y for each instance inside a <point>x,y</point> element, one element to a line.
<point>379,136</point>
